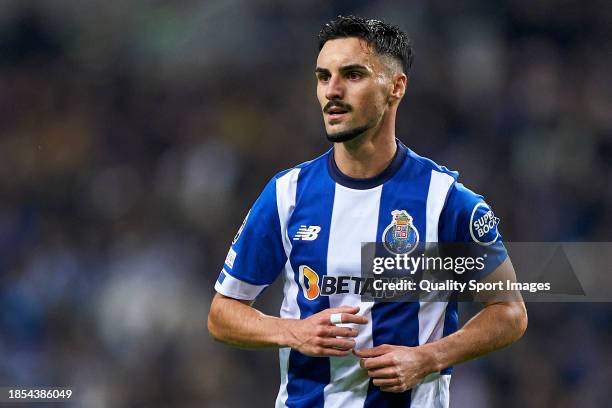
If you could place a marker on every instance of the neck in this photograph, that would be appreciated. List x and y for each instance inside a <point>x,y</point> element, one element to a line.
<point>369,154</point>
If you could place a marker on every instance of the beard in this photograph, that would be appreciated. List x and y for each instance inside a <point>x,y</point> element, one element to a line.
<point>347,135</point>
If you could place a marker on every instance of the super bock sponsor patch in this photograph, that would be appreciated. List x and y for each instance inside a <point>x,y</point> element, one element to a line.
<point>483,225</point>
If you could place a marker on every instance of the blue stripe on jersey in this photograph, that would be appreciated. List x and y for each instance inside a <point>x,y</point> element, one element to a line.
<point>308,376</point>
<point>221,277</point>
<point>451,321</point>
<point>397,322</point>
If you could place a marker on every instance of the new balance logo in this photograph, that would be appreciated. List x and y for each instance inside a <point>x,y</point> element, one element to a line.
<point>307,233</point>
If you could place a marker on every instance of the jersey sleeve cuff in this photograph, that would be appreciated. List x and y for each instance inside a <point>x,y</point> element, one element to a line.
<point>229,286</point>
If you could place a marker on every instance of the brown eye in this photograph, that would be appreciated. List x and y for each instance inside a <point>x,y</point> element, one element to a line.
<point>323,78</point>
<point>354,75</point>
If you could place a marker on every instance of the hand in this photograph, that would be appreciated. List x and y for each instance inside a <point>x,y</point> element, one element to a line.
<point>396,368</point>
<point>316,336</point>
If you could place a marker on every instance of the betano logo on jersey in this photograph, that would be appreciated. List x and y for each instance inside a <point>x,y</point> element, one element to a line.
<point>314,285</point>
<point>400,237</point>
<point>309,280</point>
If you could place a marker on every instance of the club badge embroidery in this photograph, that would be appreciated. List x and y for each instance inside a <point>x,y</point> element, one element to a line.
<point>401,236</point>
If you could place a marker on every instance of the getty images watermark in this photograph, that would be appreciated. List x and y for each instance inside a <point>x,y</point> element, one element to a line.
<point>400,266</point>
<point>545,272</point>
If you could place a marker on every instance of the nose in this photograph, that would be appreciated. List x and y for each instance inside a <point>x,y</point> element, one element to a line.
<point>335,88</point>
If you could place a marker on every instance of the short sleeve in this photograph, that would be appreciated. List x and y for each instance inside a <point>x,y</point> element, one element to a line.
<point>256,255</point>
<point>467,218</point>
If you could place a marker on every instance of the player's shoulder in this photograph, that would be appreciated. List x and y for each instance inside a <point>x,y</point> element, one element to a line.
<point>458,193</point>
<point>428,164</point>
<point>460,196</point>
<point>466,216</point>
<point>302,166</point>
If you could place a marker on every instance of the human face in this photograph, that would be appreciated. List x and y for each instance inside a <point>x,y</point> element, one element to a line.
<point>353,87</point>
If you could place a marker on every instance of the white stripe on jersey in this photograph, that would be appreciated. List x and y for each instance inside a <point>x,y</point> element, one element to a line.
<point>439,185</point>
<point>433,392</point>
<point>432,314</point>
<point>286,187</point>
<point>283,358</point>
<point>350,226</point>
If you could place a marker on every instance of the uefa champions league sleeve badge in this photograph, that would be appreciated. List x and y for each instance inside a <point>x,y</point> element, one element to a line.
<point>401,236</point>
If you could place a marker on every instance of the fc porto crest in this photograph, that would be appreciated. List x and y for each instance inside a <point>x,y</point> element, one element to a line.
<point>401,236</point>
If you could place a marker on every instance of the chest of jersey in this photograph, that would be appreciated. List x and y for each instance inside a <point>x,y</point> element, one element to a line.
<point>329,227</point>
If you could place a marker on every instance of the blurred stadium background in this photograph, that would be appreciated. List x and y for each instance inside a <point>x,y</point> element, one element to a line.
<point>135,135</point>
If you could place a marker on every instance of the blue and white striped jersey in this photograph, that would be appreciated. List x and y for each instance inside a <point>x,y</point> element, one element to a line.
<point>309,222</point>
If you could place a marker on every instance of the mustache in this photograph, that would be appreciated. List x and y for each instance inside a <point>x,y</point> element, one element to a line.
<point>337,104</point>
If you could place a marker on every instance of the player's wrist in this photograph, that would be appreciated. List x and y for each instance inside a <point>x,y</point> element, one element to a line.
<point>433,359</point>
<point>285,336</point>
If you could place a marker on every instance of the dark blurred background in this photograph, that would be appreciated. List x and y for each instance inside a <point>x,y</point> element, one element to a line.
<point>134,136</point>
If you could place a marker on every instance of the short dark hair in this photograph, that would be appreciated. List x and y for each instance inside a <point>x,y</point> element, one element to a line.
<point>385,39</point>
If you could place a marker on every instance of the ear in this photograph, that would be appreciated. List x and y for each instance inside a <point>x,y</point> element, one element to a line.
<point>399,83</point>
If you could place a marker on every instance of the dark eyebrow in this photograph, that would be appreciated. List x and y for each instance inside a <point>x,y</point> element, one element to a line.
<point>346,68</point>
<point>354,67</point>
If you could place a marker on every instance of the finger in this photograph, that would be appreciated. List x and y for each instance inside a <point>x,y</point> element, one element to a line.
<point>340,344</point>
<point>376,362</point>
<point>373,352</point>
<point>344,309</point>
<point>342,332</point>
<point>325,315</point>
<point>352,318</point>
<point>387,372</point>
<point>386,382</point>
<point>332,352</point>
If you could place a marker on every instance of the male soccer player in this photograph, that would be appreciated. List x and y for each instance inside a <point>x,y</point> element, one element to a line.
<point>308,225</point>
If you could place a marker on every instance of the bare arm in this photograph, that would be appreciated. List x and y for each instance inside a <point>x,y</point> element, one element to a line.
<point>237,323</point>
<point>500,323</point>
